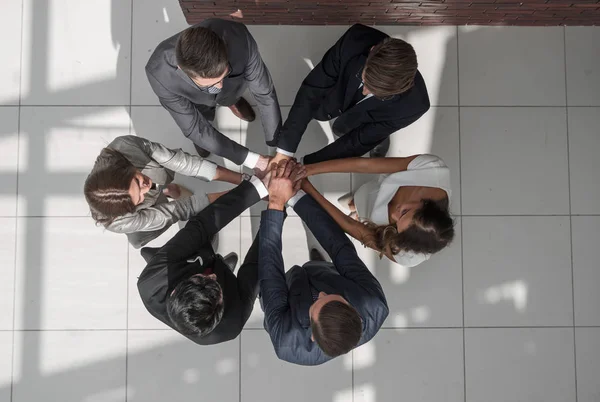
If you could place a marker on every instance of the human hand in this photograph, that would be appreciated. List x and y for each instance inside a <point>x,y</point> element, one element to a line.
<point>262,166</point>
<point>172,190</point>
<point>278,158</point>
<point>282,185</point>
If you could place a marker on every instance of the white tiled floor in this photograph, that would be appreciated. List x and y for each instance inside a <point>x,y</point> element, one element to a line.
<point>509,312</point>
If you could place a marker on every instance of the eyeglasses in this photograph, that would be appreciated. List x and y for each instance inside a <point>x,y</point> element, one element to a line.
<point>213,86</point>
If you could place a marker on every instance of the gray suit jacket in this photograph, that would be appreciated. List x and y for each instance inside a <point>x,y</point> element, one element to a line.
<point>186,102</point>
<point>156,214</point>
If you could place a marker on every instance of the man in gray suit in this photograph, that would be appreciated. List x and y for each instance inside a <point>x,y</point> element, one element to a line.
<point>211,64</point>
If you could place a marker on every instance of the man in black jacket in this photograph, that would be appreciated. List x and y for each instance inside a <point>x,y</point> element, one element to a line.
<point>319,310</point>
<point>370,83</point>
<point>210,64</point>
<point>190,288</point>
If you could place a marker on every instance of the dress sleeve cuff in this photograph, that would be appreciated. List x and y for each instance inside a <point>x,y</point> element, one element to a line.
<point>284,152</point>
<point>292,201</point>
<point>259,186</point>
<point>251,160</point>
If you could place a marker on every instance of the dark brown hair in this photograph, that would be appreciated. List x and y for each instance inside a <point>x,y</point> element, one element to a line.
<point>390,68</point>
<point>431,230</point>
<point>106,188</point>
<point>338,328</point>
<point>201,53</point>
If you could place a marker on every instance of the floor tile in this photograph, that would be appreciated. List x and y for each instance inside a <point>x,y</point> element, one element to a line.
<point>62,67</point>
<point>9,146</point>
<point>587,341</point>
<point>437,57</point>
<point>156,124</point>
<point>519,364</point>
<point>499,67</point>
<point>10,69</point>
<point>428,295</point>
<point>70,275</point>
<point>266,378</point>
<point>517,271</point>
<point>153,21</point>
<point>48,140</point>
<point>584,143</point>
<point>583,76</point>
<point>7,274</point>
<point>316,136</point>
<point>295,251</point>
<point>163,365</point>
<point>420,365</point>
<point>436,133</point>
<point>6,350</point>
<point>69,366</point>
<point>514,161</point>
<point>139,318</point>
<point>290,53</point>
<point>586,269</point>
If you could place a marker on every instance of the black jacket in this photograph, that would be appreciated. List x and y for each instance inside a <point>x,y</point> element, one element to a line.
<point>287,297</point>
<point>170,265</point>
<point>328,90</point>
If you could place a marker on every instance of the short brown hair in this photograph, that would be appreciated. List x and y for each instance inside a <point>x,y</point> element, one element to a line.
<point>390,68</point>
<point>201,53</point>
<point>338,328</point>
<point>106,189</point>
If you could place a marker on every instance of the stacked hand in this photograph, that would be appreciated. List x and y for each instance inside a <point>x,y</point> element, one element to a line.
<point>285,181</point>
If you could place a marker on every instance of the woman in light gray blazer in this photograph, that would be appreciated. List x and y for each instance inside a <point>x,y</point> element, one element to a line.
<point>129,186</point>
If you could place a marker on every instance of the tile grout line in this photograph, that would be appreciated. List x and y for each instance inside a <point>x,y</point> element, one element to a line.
<point>131,61</point>
<point>295,216</point>
<point>127,242</point>
<point>241,333</point>
<point>262,329</point>
<point>570,210</point>
<point>462,257</point>
<point>127,328</point>
<point>432,106</point>
<point>12,368</point>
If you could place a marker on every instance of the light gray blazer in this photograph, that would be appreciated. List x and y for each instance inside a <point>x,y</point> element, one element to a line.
<point>156,214</point>
<point>186,102</point>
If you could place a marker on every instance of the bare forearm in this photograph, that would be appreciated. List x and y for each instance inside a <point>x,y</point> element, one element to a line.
<point>226,175</point>
<point>347,224</point>
<point>360,165</point>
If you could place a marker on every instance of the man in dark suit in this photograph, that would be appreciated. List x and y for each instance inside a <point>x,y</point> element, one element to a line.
<point>211,64</point>
<point>319,310</point>
<point>193,290</point>
<point>370,83</point>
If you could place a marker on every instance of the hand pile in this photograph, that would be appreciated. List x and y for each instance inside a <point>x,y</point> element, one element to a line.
<point>283,180</point>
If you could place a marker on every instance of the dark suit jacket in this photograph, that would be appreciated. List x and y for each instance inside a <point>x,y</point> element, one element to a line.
<point>179,94</point>
<point>287,298</point>
<point>328,90</point>
<point>170,265</point>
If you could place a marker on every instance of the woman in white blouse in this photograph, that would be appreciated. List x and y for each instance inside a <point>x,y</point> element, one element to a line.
<point>403,213</point>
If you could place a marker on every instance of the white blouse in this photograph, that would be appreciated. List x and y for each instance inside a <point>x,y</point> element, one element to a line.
<point>373,197</point>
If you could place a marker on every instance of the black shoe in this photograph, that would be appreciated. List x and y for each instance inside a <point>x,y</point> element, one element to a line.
<point>243,110</point>
<point>315,255</point>
<point>231,260</point>
<point>381,150</point>
<point>201,151</point>
<point>148,252</point>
